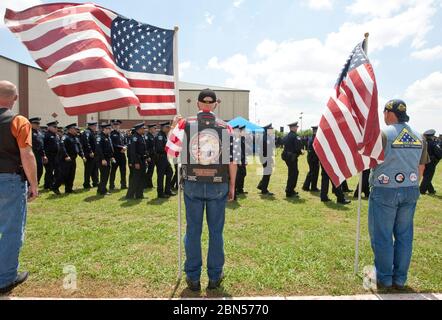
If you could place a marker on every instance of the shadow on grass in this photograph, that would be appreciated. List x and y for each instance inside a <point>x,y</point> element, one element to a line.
<point>233,205</point>
<point>295,200</point>
<point>130,202</point>
<point>267,197</point>
<point>158,201</point>
<point>218,293</point>
<point>336,206</point>
<point>54,196</point>
<point>96,197</point>
<point>436,196</point>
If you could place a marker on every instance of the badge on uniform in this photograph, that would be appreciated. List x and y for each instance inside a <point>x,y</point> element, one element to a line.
<point>400,178</point>
<point>384,179</point>
<point>413,177</point>
<point>134,139</point>
<point>407,139</point>
<point>160,138</point>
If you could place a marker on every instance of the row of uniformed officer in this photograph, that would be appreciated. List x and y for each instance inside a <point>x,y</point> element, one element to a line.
<point>105,157</point>
<point>435,153</point>
<point>38,146</point>
<point>292,150</point>
<point>88,142</point>
<point>164,168</point>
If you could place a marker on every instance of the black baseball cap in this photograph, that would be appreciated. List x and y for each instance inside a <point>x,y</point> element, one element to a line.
<point>207,93</point>
<point>399,108</point>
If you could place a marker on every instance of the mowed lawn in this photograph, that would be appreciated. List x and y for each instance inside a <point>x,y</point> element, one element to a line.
<point>274,246</point>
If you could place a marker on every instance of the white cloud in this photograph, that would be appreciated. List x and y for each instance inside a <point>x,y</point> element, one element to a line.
<point>320,4</point>
<point>424,101</point>
<point>428,54</point>
<point>378,8</point>
<point>237,3</point>
<point>293,76</point>
<point>209,18</point>
<point>183,66</point>
<point>16,5</point>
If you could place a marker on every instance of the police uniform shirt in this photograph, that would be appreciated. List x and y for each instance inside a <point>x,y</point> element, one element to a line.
<point>293,143</point>
<point>51,144</point>
<point>160,142</point>
<point>138,151</point>
<point>71,146</point>
<point>38,143</point>
<point>105,149</point>
<point>89,141</point>
<point>117,140</point>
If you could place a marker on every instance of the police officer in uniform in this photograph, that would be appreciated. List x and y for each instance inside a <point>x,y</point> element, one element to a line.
<point>105,157</point>
<point>120,148</point>
<point>292,150</point>
<point>266,157</point>
<point>164,168</point>
<point>52,148</point>
<point>311,181</point>
<point>325,184</point>
<point>242,163</point>
<point>209,181</point>
<point>435,153</point>
<point>150,141</point>
<point>88,142</point>
<point>70,150</point>
<point>138,160</point>
<point>394,195</point>
<point>38,146</point>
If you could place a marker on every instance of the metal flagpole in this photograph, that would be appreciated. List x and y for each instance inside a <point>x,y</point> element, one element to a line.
<point>358,227</point>
<point>177,101</point>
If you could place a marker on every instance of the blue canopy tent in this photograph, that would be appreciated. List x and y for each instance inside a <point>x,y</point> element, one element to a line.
<point>251,127</point>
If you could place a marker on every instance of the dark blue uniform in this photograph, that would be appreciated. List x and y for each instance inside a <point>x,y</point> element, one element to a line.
<point>164,169</point>
<point>150,142</point>
<point>39,151</point>
<point>88,142</point>
<point>138,156</point>
<point>311,181</point>
<point>52,149</point>
<point>105,151</point>
<point>70,147</point>
<point>118,141</point>
<point>292,150</point>
<point>435,154</point>
<point>266,157</point>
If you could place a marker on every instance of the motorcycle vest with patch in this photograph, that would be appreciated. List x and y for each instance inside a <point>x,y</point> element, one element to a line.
<point>403,152</point>
<point>205,158</point>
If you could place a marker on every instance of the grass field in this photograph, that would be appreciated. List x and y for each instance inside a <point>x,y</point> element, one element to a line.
<point>274,247</point>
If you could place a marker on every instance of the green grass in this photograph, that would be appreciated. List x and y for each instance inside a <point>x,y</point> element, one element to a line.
<point>273,246</point>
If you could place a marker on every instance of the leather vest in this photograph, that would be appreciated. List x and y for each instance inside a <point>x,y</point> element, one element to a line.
<point>10,161</point>
<point>205,158</point>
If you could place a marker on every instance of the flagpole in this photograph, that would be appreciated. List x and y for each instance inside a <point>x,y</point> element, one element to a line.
<point>358,227</point>
<point>177,101</point>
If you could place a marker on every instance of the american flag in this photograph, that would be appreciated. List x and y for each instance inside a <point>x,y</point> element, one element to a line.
<point>349,139</point>
<point>97,60</point>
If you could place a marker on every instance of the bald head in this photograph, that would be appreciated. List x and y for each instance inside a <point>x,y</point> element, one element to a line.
<point>8,94</point>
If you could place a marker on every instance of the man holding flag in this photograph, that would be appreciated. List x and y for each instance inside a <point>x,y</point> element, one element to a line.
<point>395,191</point>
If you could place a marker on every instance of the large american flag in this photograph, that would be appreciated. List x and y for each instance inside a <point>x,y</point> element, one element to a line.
<point>349,138</point>
<point>97,60</point>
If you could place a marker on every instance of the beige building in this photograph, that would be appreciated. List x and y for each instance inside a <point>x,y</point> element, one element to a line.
<point>36,99</point>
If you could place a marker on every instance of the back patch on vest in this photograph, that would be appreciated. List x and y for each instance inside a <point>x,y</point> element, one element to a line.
<point>407,139</point>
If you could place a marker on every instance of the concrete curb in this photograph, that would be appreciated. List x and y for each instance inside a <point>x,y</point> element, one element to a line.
<point>404,297</point>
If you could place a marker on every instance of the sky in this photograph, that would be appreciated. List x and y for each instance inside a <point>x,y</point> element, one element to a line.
<point>289,53</point>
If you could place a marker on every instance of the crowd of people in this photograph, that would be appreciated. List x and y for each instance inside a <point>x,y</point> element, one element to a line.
<point>107,149</point>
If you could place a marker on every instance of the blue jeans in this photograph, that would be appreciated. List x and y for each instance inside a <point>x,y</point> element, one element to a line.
<point>213,197</point>
<point>390,224</point>
<point>13,204</point>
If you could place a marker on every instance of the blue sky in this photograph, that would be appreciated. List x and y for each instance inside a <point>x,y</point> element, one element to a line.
<point>289,53</point>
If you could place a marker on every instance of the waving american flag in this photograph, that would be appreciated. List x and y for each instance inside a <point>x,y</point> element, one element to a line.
<point>349,139</point>
<point>97,60</point>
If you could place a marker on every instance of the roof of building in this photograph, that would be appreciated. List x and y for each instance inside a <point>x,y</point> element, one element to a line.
<point>184,86</point>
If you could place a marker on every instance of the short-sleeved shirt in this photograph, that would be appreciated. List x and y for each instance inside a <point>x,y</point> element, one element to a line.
<point>21,129</point>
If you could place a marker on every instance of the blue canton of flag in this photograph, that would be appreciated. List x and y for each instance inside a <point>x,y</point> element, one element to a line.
<point>141,47</point>
<point>356,59</point>
<point>407,138</point>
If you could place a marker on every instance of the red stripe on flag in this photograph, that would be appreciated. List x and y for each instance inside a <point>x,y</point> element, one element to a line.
<point>101,106</point>
<point>70,49</point>
<point>157,112</point>
<point>92,86</point>
<point>155,99</point>
<point>350,97</point>
<point>152,84</point>
<point>88,64</point>
<point>324,161</point>
<point>59,33</point>
<point>36,11</point>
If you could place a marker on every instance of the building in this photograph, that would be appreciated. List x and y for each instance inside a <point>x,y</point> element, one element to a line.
<point>36,99</point>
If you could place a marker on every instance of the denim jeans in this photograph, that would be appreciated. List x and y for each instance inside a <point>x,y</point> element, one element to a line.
<point>212,197</point>
<point>390,223</point>
<point>13,203</point>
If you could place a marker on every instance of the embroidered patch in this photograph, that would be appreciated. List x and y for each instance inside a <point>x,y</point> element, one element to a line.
<point>400,178</point>
<point>384,179</point>
<point>407,139</point>
<point>413,177</point>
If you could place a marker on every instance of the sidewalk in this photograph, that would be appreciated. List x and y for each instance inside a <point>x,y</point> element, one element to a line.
<point>412,296</point>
